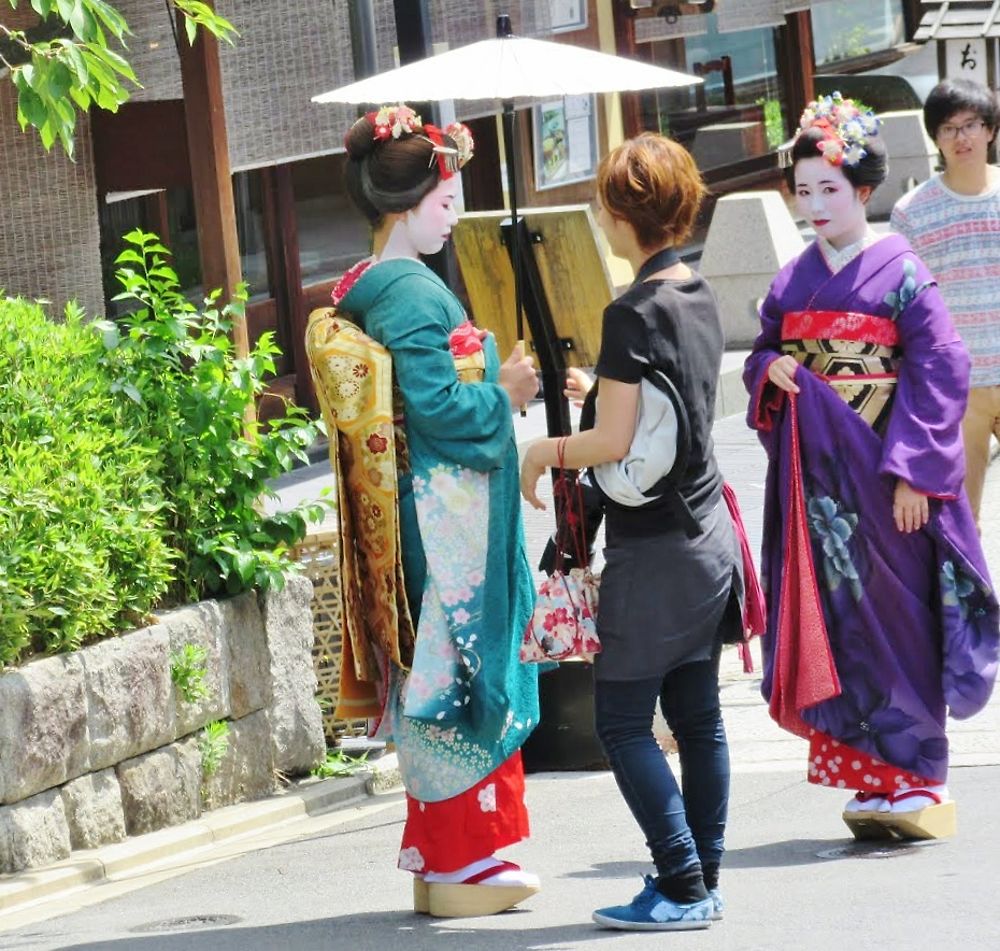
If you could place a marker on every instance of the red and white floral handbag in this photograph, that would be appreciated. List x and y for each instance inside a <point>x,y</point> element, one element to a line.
<point>564,623</point>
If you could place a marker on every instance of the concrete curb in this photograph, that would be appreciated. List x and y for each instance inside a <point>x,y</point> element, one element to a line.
<point>310,797</point>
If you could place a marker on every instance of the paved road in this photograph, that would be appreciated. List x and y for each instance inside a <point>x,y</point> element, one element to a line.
<point>791,880</point>
<point>791,877</point>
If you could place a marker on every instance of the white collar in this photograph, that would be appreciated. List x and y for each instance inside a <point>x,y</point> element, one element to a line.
<point>838,260</point>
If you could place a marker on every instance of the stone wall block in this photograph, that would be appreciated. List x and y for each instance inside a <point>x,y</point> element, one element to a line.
<point>247,770</point>
<point>246,655</point>
<point>43,726</point>
<point>162,788</point>
<point>200,625</point>
<point>130,696</point>
<point>94,810</point>
<point>912,158</point>
<point>751,236</point>
<point>33,832</point>
<point>296,718</point>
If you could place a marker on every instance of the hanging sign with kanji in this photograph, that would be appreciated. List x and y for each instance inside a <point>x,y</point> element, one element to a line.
<point>966,59</point>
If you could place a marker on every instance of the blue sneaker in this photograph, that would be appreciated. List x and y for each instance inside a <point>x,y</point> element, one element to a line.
<point>651,911</point>
<point>718,905</point>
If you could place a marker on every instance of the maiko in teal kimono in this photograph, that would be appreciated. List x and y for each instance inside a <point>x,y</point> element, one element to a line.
<point>467,704</point>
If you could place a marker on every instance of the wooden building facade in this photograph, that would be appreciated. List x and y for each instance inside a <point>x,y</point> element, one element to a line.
<point>222,153</point>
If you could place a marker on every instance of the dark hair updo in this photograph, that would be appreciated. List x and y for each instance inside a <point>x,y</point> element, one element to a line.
<point>386,175</point>
<point>870,170</point>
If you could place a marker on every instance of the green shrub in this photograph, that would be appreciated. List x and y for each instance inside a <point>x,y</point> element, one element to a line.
<point>81,517</point>
<point>130,475</point>
<point>774,122</point>
<point>192,397</point>
<point>338,763</point>
<point>213,744</point>
<point>188,669</point>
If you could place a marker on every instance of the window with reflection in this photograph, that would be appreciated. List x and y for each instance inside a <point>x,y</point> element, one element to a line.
<point>119,214</point>
<point>182,239</point>
<point>852,28</point>
<point>250,229</point>
<point>333,234</point>
<point>170,215</point>
<point>736,113</point>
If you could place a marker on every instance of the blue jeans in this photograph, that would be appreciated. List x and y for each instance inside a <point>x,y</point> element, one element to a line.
<point>682,830</point>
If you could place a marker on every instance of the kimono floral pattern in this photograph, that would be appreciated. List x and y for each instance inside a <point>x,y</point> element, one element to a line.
<point>911,618</point>
<point>432,701</point>
<point>453,509</point>
<point>956,588</point>
<point>377,455</point>
<point>410,860</point>
<point>908,289</point>
<point>832,528</point>
<point>435,760</point>
<point>870,719</point>
<point>488,798</point>
<point>467,580</point>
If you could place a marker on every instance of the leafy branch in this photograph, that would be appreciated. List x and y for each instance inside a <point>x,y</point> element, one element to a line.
<point>70,62</point>
<point>174,364</point>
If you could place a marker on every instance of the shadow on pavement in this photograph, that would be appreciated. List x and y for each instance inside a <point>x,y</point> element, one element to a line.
<point>612,870</point>
<point>781,854</point>
<point>359,933</point>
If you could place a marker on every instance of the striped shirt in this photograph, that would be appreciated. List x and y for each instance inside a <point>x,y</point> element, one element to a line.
<point>958,238</point>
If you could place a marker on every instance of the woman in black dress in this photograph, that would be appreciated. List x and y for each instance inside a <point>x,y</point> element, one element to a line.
<point>672,585</point>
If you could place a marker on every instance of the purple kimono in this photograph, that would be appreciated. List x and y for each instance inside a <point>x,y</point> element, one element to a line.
<point>872,634</point>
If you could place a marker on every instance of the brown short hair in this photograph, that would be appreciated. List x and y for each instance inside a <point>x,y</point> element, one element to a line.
<point>654,184</point>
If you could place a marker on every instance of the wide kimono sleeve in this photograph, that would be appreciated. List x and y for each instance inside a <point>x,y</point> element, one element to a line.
<point>469,424</point>
<point>766,399</point>
<point>923,440</point>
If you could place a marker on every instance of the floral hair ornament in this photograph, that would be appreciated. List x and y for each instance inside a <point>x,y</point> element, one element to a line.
<point>846,129</point>
<point>449,160</point>
<point>393,121</point>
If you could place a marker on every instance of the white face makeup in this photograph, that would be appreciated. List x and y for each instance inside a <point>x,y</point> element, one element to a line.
<point>425,229</point>
<point>829,202</point>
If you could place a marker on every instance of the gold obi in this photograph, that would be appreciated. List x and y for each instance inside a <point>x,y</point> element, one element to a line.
<point>856,354</point>
<point>362,410</point>
<point>472,367</point>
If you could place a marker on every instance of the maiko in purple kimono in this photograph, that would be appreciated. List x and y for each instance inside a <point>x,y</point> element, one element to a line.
<point>873,634</point>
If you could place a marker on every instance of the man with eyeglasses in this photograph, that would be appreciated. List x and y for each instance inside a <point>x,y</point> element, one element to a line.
<point>953,223</point>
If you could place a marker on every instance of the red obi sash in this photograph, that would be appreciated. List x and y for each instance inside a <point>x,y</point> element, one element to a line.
<point>839,325</point>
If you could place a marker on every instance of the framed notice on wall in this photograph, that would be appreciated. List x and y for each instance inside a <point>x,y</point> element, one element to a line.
<point>566,15</point>
<point>565,137</point>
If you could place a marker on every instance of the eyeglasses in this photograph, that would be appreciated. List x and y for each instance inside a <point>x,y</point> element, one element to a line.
<point>969,129</point>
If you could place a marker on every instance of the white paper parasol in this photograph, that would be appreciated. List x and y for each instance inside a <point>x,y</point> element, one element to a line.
<point>507,68</point>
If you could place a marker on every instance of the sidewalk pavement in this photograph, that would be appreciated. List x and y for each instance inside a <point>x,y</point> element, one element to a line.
<point>761,753</point>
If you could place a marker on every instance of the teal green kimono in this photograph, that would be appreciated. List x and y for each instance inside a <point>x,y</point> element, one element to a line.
<point>468,703</point>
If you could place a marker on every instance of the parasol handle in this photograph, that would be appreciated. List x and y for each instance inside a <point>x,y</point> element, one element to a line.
<point>510,148</point>
<point>520,348</point>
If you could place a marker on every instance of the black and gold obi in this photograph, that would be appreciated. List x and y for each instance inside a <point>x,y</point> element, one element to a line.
<point>857,354</point>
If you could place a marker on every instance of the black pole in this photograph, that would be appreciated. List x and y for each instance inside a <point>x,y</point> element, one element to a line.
<point>413,37</point>
<point>413,29</point>
<point>510,151</point>
<point>362,24</point>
